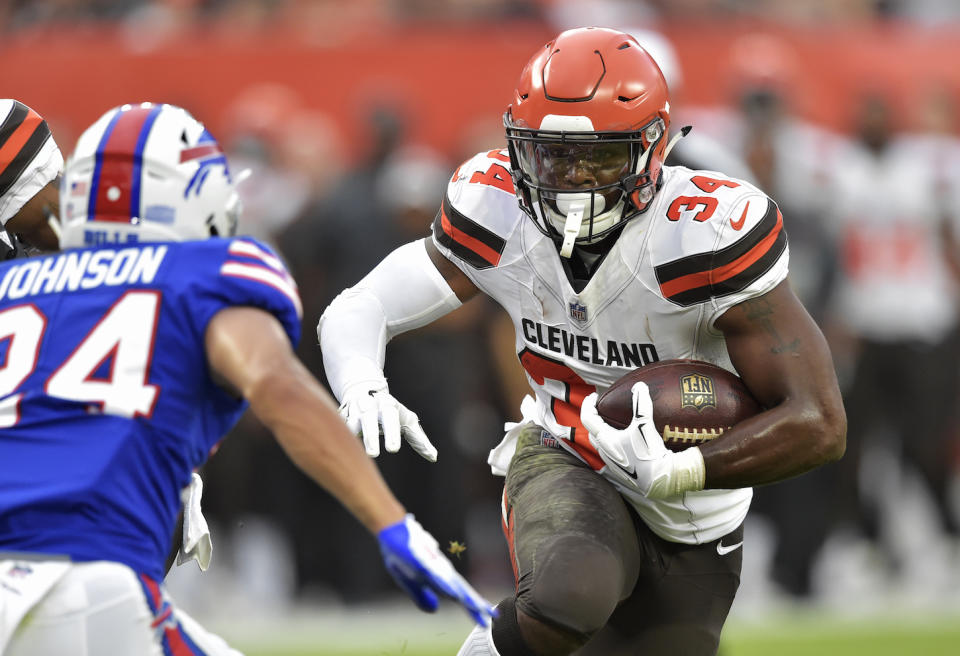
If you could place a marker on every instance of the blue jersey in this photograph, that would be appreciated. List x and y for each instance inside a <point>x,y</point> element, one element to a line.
<point>106,400</point>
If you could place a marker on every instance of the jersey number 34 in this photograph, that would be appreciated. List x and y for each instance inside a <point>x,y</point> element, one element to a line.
<point>108,368</point>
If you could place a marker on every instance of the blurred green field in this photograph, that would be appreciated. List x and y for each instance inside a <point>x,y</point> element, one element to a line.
<point>845,639</point>
<point>805,635</point>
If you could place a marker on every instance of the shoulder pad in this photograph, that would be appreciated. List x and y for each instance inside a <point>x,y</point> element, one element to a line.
<point>253,260</point>
<point>718,237</point>
<point>487,169</point>
<point>213,274</point>
<point>479,211</point>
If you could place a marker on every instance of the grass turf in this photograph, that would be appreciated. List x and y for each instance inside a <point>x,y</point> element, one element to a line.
<point>783,636</point>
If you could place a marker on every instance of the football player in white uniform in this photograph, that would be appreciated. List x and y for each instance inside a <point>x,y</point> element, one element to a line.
<point>610,262</point>
<point>30,166</point>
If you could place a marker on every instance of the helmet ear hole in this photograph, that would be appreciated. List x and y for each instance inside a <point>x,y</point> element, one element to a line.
<point>211,224</point>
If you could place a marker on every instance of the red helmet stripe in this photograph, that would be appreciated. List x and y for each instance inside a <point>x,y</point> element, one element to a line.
<point>115,186</point>
<point>197,152</point>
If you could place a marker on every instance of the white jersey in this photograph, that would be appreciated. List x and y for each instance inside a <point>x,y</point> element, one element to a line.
<point>896,285</point>
<point>706,243</point>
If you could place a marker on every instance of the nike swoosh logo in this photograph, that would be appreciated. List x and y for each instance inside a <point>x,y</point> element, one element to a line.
<point>632,472</point>
<point>723,550</point>
<point>736,225</point>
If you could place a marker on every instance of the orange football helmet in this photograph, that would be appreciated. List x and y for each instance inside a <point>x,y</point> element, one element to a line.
<point>587,134</point>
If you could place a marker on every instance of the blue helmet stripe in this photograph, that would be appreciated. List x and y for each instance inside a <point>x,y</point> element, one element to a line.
<point>98,163</point>
<point>135,208</point>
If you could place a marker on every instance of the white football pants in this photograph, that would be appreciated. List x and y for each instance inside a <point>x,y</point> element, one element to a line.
<point>93,609</point>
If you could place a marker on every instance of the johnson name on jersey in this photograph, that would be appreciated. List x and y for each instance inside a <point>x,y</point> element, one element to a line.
<point>705,244</point>
<point>104,369</point>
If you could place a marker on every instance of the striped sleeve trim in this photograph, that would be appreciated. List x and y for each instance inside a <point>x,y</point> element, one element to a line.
<point>466,238</point>
<point>22,136</point>
<point>266,268</point>
<point>698,278</point>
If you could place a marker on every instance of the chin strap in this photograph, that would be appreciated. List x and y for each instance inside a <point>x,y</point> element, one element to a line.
<point>571,229</point>
<point>684,131</point>
<point>54,224</point>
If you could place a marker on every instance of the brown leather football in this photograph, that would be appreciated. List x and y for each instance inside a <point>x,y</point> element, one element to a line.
<point>693,401</point>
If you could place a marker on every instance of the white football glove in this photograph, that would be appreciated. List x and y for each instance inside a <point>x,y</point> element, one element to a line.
<point>413,558</point>
<point>368,408</point>
<point>636,457</point>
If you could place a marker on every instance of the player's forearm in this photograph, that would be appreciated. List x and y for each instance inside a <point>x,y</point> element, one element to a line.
<point>405,291</point>
<point>780,443</point>
<point>306,424</point>
<point>783,358</point>
<point>353,336</point>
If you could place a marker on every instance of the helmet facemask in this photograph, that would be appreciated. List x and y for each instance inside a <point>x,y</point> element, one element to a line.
<point>580,185</point>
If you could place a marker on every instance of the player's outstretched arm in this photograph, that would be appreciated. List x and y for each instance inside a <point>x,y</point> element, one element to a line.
<point>249,352</point>
<point>407,290</point>
<point>784,360</point>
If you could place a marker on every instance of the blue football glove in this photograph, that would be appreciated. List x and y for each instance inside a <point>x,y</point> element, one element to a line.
<point>413,558</point>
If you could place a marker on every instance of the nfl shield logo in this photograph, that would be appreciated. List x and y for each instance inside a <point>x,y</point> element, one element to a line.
<point>697,392</point>
<point>578,312</point>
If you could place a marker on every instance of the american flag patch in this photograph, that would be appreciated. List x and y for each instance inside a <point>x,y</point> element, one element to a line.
<point>20,570</point>
<point>78,188</point>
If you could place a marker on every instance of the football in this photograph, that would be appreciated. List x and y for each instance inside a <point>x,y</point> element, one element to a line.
<point>693,401</point>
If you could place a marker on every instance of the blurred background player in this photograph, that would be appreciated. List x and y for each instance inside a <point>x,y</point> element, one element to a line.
<point>895,320</point>
<point>610,261</point>
<point>126,359</point>
<point>30,165</point>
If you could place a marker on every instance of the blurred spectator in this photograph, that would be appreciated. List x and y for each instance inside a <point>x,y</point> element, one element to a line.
<point>464,10</point>
<point>790,158</point>
<point>896,315</point>
<point>333,20</point>
<point>699,149</point>
<point>930,12</point>
<point>261,126</point>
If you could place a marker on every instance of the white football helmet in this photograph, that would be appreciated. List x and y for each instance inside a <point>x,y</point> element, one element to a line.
<point>147,172</point>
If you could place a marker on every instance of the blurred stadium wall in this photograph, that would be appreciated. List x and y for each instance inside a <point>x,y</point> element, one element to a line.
<point>451,80</point>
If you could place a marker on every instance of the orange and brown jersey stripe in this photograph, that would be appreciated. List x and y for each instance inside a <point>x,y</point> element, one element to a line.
<point>22,135</point>
<point>466,238</point>
<point>698,278</point>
